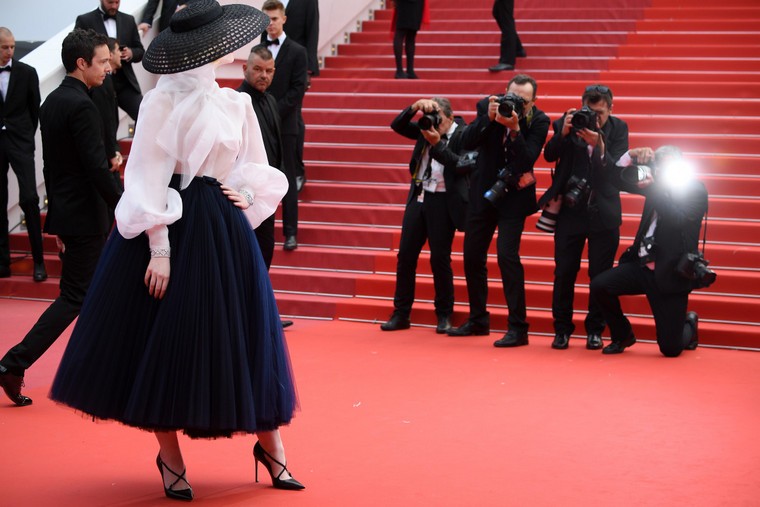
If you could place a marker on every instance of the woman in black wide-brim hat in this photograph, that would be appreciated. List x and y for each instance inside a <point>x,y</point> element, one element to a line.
<point>180,329</point>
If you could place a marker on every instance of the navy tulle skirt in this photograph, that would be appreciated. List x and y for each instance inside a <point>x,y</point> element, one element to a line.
<point>209,358</point>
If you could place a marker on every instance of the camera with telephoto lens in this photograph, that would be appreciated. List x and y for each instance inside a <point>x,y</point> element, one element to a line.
<point>509,103</point>
<point>500,188</point>
<point>429,120</point>
<point>693,266</point>
<point>635,173</point>
<point>576,192</point>
<point>584,119</point>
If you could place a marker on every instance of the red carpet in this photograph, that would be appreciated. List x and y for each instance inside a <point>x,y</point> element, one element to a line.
<point>415,419</point>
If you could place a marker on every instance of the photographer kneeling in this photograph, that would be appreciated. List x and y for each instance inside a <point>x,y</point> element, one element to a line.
<point>435,207</point>
<point>663,263</point>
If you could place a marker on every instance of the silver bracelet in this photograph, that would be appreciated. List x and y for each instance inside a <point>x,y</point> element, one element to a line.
<point>247,195</point>
<point>160,252</point>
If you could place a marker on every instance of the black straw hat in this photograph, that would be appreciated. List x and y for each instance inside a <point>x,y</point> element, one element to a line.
<point>201,33</point>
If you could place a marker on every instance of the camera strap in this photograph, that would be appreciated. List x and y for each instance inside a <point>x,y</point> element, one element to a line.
<point>704,233</point>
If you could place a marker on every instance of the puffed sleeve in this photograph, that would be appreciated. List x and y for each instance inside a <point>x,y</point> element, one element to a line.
<point>253,174</point>
<point>148,204</point>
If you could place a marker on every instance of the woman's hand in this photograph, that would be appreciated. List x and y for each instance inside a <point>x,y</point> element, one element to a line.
<point>157,276</point>
<point>240,200</point>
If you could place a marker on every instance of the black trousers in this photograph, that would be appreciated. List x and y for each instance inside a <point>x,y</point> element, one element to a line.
<point>669,310</point>
<point>300,167</point>
<point>23,166</point>
<point>78,265</point>
<point>404,39</point>
<point>290,201</point>
<point>569,239</point>
<point>504,14</point>
<point>477,238</point>
<point>128,98</point>
<point>265,237</point>
<point>425,221</point>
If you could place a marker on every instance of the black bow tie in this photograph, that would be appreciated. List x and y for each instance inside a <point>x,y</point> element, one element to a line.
<point>5,69</point>
<point>275,42</point>
<point>107,16</point>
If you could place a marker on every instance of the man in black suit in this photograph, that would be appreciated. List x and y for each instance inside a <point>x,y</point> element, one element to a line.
<point>585,146</point>
<point>303,27</point>
<point>259,71</point>
<point>19,112</point>
<point>509,146</point>
<point>108,20</point>
<point>288,87</point>
<point>675,205</point>
<point>435,207</point>
<point>80,190</point>
<point>510,47</point>
<point>168,8</point>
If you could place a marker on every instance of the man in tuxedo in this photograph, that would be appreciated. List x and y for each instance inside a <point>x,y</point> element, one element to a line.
<point>80,189</point>
<point>510,47</point>
<point>288,87</point>
<point>19,112</point>
<point>258,72</point>
<point>676,203</point>
<point>108,20</point>
<point>509,146</point>
<point>435,207</point>
<point>585,146</point>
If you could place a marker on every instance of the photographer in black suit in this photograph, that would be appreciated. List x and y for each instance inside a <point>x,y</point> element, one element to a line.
<point>108,20</point>
<point>663,263</point>
<point>19,114</point>
<point>80,190</point>
<point>509,132</point>
<point>585,146</point>
<point>435,207</point>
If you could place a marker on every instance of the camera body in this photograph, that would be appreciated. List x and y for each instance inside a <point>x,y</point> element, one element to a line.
<point>429,120</point>
<point>577,192</point>
<point>509,103</point>
<point>585,118</point>
<point>693,266</point>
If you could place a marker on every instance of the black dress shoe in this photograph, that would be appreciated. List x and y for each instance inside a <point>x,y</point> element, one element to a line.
<point>512,339</point>
<point>12,385</point>
<point>561,341</point>
<point>411,75</point>
<point>5,272</point>
<point>395,323</point>
<point>500,67</point>
<point>400,74</point>
<point>40,275</point>
<point>300,182</point>
<point>444,324</point>
<point>692,319</point>
<point>290,243</point>
<point>594,341</point>
<point>286,323</point>
<point>469,328</point>
<point>619,347</point>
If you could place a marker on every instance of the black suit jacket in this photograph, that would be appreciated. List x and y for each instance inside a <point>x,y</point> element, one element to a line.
<point>289,83</point>
<point>302,25</point>
<point>104,98</point>
<point>19,112</point>
<point>168,8</point>
<point>571,156</point>
<point>447,153</point>
<point>487,137</point>
<point>679,220</point>
<point>126,34</point>
<point>269,121</point>
<point>79,186</point>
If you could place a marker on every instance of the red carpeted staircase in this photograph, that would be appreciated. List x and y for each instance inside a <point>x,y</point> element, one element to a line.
<point>683,73</point>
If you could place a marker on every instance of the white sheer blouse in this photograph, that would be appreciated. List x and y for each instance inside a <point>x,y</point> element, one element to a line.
<point>188,125</point>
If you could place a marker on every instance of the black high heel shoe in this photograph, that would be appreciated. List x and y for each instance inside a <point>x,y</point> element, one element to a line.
<point>259,454</point>
<point>178,494</point>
